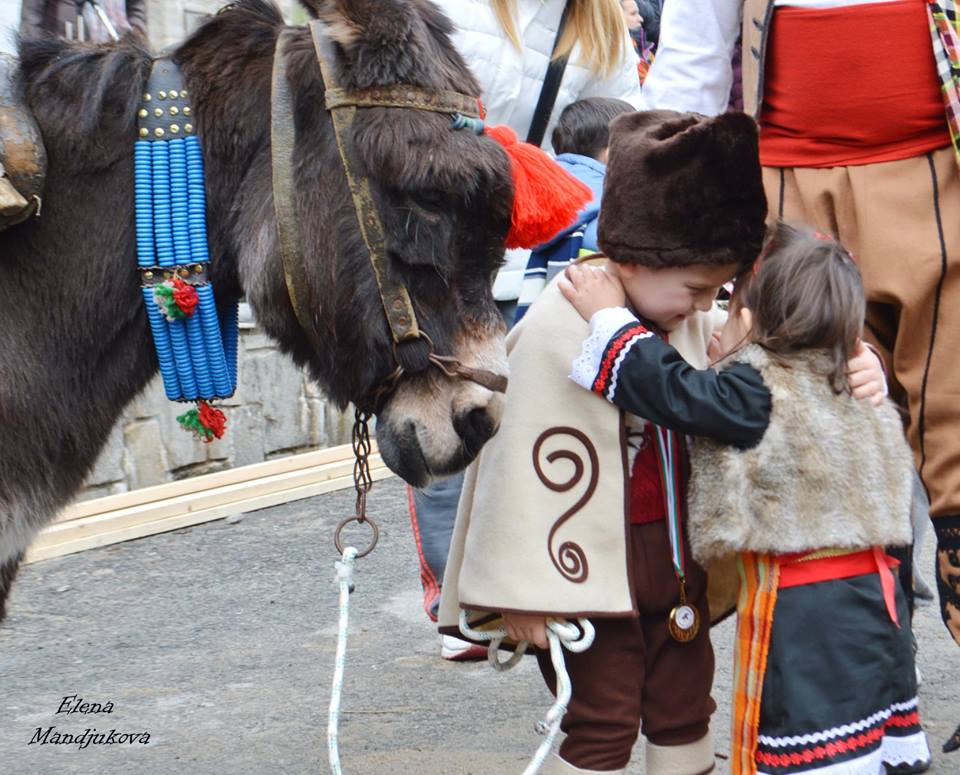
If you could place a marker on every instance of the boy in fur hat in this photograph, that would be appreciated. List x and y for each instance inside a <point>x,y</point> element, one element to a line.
<point>574,509</point>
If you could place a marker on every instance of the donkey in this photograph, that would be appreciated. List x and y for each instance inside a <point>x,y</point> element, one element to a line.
<point>75,346</point>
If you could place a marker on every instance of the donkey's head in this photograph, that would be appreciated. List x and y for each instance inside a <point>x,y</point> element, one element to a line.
<point>444,197</point>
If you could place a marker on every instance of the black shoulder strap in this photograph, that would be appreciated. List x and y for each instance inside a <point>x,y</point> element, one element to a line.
<point>551,85</point>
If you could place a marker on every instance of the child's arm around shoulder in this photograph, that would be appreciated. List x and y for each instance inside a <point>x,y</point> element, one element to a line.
<point>640,373</point>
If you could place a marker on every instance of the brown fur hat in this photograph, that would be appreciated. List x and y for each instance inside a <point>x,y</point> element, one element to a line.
<point>682,189</point>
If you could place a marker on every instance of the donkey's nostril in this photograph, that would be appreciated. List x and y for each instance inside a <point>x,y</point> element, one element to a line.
<point>474,427</point>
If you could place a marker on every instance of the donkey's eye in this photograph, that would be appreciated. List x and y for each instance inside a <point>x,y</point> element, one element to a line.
<point>431,201</point>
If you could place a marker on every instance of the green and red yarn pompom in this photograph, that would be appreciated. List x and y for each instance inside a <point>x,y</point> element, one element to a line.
<point>177,299</point>
<point>206,421</point>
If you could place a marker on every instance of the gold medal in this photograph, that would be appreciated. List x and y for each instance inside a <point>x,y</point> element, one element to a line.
<point>684,623</point>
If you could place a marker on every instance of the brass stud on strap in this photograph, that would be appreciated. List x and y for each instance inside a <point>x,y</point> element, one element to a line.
<point>173,94</point>
<point>198,268</point>
<point>158,112</point>
<point>161,95</point>
<point>143,113</point>
<point>174,110</point>
<point>188,128</point>
<point>183,93</point>
<point>147,97</point>
<point>159,131</point>
<point>174,129</point>
<point>148,275</point>
<point>144,132</point>
<point>187,111</point>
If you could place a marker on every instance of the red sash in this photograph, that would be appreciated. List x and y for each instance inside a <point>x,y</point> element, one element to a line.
<point>850,85</point>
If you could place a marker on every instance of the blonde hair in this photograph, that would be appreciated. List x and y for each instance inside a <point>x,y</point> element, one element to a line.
<point>597,24</point>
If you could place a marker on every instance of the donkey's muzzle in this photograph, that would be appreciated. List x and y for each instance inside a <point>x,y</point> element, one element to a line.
<point>475,428</point>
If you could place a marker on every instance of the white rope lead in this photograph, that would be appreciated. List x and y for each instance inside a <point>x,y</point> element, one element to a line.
<point>345,577</point>
<point>560,635</point>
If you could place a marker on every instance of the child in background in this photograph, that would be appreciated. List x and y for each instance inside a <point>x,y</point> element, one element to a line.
<point>805,485</point>
<point>580,140</point>
<point>564,514</point>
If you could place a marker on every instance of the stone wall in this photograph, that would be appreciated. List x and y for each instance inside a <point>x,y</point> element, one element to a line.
<point>170,21</point>
<point>276,411</point>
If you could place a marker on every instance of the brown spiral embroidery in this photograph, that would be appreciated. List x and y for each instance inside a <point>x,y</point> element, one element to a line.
<point>569,558</point>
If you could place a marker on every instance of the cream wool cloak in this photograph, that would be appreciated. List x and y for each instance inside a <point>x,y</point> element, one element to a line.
<point>542,525</point>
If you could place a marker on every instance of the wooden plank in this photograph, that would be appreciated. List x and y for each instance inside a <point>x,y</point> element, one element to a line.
<point>48,546</point>
<point>219,496</point>
<point>206,482</point>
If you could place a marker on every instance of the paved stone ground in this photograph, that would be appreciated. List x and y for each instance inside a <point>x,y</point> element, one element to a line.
<point>218,641</point>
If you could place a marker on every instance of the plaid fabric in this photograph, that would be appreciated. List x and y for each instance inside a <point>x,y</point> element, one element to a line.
<point>945,34</point>
<point>543,266</point>
<point>759,581</point>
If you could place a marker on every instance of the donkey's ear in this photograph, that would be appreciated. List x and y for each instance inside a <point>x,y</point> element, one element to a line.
<point>354,21</point>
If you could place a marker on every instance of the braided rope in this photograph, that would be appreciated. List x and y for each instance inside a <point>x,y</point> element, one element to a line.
<point>560,635</point>
<point>345,577</point>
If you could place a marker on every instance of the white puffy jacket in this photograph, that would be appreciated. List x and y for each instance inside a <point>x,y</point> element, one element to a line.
<point>511,80</point>
<point>9,24</point>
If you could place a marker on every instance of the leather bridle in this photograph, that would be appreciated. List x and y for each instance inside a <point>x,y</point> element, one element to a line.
<point>342,104</point>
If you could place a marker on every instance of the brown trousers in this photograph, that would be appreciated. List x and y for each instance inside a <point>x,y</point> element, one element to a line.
<point>901,220</point>
<point>635,676</point>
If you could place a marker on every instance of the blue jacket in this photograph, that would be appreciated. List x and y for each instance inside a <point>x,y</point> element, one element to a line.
<point>591,172</point>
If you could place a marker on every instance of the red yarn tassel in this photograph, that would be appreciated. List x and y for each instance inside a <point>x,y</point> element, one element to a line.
<point>546,198</point>
<point>206,421</point>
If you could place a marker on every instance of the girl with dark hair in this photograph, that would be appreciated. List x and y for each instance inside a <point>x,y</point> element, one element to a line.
<point>803,501</point>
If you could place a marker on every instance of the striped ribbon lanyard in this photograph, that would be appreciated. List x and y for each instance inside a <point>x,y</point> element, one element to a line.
<point>684,622</point>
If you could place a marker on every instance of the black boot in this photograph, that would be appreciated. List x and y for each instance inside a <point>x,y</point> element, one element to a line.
<point>948,572</point>
<point>948,587</point>
<point>953,743</point>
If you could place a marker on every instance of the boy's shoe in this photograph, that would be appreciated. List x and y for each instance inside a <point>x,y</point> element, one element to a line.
<point>557,766</point>
<point>457,650</point>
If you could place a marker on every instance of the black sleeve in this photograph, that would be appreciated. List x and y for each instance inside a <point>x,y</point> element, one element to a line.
<point>645,376</point>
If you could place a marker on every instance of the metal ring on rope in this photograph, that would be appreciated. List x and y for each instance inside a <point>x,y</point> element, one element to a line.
<point>374,534</point>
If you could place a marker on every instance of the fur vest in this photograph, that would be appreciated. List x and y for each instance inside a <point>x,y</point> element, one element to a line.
<point>831,471</point>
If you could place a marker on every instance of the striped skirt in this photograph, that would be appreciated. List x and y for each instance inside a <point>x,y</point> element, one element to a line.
<point>839,691</point>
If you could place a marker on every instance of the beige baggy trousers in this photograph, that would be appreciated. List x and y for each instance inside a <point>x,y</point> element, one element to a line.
<point>901,220</point>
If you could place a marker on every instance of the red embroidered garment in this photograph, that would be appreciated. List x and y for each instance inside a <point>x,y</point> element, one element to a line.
<point>647,502</point>
<point>835,95</point>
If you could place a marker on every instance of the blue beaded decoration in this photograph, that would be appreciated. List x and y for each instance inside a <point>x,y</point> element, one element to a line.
<point>198,354</point>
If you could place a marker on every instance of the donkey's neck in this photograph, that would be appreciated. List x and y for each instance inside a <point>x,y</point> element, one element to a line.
<point>227,72</point>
